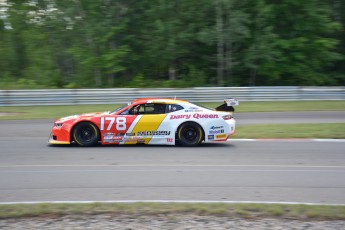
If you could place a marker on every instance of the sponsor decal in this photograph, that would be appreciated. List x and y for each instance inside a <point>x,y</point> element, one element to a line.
<point>153,133</point>
<point>109,135</point>
<point>170,140</point>
<point>221,136</point>
<point>141,141</point>
<point>130,134</point>
<point>131,139</point>
<point>205,116</point>
<point>114,135</point>
<point>196,116</point>
<point>182,116</point>
<point>111,138</point>
<point>231,102</point>
<point>210,137</point>
<point>217,127</point>
<point>216,131</point>
<point>193,110</point>
<point>112,141</point>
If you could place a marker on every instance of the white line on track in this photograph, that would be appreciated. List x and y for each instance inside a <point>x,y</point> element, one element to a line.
<point>177,165</point>
<point>165,202</point>
<point>287,140</point>
<point>329,140</point>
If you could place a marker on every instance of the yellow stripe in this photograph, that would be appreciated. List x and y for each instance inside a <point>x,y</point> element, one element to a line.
<point>149,123</point>
<point>58,142</point>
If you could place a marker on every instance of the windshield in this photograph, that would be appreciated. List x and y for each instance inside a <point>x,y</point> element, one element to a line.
<point>119,108</point>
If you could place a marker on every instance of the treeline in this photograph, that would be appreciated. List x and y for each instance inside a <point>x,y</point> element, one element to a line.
<point>171,43</point>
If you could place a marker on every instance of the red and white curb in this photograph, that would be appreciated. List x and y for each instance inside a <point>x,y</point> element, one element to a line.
<point>288,140</point>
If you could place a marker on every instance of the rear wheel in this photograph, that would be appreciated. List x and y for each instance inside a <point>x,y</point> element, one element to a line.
<point>86,134</point>
<point>190,134</point>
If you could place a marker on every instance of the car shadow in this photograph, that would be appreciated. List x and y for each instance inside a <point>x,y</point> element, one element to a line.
<point>202,145</point>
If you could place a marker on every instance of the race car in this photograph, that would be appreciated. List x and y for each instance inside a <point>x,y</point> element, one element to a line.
<point>158,121</point>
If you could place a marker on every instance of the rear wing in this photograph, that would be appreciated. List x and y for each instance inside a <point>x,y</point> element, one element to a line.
<point>228,105</point>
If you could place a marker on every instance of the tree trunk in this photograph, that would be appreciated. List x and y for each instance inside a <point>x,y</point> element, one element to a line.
<point>220,43</point>
<point>252,77</point>
<point>91,45</point>
<point>229,61</point>
<point>172,71</point>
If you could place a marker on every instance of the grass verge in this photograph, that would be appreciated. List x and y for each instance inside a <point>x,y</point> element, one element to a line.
<point>285,106</point>
<point>328,131</point>
<point>41,112</point>
<point>324,212</point>
<point>54,112</point>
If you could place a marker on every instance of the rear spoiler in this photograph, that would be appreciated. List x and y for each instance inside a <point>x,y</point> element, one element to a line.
<point>228,105</point>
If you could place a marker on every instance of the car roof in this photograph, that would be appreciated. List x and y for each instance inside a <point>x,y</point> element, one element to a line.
<point>158,100</point>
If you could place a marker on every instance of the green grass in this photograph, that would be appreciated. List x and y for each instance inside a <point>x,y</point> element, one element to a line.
<point>331,131</point>
<point>41,112</point>
<point>286,106</point>
<point>309,212</point>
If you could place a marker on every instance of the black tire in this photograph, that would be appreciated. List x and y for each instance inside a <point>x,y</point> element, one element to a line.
<point>86,134</point>
<point>189,134</point>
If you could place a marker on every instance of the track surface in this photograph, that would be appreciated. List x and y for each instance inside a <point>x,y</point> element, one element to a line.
<point>278,171</point>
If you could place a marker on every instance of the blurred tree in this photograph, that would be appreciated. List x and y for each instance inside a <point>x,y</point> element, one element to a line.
<point>260,46</point>
<point>14,51</point>
<point>231,30</point>
<point>7,55</point>
<point>97,48</point>
<point>155,43</point>
<point>166,41</point>
<point>304,47</point>
<point>338,15</point>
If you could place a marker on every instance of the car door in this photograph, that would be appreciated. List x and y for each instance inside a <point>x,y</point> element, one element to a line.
<point>147,129</point>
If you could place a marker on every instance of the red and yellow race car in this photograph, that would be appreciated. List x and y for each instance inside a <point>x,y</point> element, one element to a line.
<point>157,121</point>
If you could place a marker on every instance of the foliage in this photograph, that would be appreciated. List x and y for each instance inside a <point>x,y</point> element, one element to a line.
<point>160,43</point>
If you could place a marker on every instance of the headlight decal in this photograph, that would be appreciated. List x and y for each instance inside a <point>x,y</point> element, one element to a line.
<point>58,125</point>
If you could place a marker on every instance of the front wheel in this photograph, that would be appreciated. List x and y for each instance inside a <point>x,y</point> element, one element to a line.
<point>86,134</point>
<point>190,134</point>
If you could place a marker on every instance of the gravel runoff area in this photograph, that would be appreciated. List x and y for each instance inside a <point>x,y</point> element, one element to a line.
<point>161,222</point>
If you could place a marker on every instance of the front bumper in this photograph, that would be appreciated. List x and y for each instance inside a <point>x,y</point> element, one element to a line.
<point>53,140</point>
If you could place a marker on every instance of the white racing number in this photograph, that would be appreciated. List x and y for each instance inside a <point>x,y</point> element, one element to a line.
<point>120,123</point>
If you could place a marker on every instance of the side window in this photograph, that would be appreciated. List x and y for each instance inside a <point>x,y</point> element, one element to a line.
<point>174,108</point>
<point>132,111</point>
<point>149,108</point>
<point>159,108</point>
<point>126,112</point>
<point>154,108</point>
<point>146,109</point>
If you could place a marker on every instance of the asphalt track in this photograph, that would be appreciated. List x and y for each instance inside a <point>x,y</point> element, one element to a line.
<point>262,171</point>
